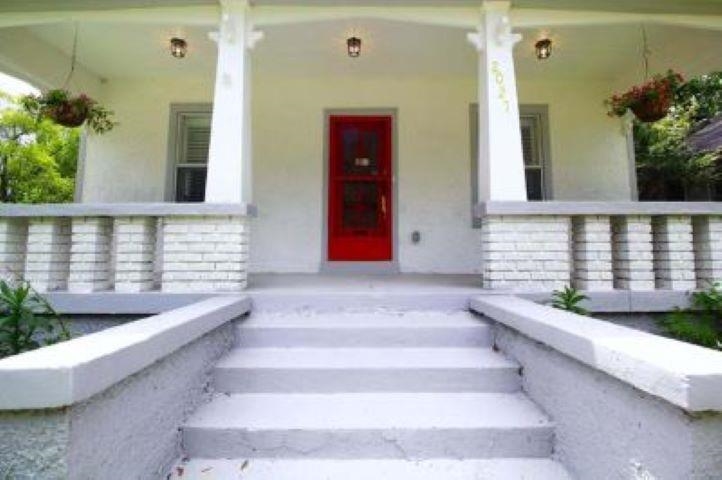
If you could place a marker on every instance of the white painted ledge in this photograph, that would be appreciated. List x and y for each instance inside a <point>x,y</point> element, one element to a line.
<point>598,208</point>
<point>685,375</point>
<point>73,371</point>
<point>156,209</point>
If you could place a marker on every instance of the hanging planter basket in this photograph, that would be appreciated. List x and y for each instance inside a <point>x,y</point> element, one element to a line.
<point>651,110</point>
<point>650,102</point>
<point>68,110</point>
<point>67,114</point>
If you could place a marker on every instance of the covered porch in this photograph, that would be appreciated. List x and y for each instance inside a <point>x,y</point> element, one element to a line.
<point>480,129</point>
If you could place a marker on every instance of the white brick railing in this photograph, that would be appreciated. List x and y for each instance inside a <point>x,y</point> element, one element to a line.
<point>126,247</point>
<point>600,246</point>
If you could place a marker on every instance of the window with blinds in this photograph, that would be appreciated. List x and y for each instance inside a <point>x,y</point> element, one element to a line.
<point>531,148</point>
<point>194,135</point>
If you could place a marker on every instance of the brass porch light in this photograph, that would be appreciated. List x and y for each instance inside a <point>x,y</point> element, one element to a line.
<point>543,49</point>
<point>353,45</point>
<point>178,47</point>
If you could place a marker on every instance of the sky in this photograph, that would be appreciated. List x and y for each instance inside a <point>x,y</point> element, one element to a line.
<point>14,86</point>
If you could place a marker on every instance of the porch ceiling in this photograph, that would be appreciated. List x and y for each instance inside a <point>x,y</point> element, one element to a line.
<point>390,48</point>
<point>651,6</point>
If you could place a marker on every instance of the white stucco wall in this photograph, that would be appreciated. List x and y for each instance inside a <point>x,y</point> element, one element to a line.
<point>588,157</point>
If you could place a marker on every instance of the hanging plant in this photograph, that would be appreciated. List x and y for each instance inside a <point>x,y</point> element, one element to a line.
<point>61,107</point>
<point>649,101</point>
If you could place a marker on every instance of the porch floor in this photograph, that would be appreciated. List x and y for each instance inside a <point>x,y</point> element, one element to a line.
<point>324,290</point>
<point>337,282</point>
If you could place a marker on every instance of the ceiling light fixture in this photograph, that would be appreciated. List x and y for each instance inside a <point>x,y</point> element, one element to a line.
<point>354,47</point>
<point>543,49</point>
<point>178,47</point>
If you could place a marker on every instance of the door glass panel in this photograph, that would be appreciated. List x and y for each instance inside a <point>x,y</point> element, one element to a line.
<point>360,150</point>
<point>360,208</point>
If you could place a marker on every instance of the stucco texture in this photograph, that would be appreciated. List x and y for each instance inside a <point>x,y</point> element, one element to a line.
<point>606,429</point>
<point>128,431</point>
<point>588,156</point>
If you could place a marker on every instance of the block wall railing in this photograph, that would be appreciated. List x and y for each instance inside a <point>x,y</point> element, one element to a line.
<point>126,248</point>
<point>601,246</point>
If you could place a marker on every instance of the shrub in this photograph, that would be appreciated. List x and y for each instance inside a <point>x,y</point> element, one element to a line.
<point>700,325</point>
<point>569,299</point>
<point>27,321</point>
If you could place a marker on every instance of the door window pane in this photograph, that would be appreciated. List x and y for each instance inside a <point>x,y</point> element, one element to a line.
<point>360,151</point>
<point>360,207</point>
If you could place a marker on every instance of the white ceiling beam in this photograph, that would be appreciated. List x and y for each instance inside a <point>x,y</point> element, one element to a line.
<point>532,18</point>
<point>462,17</point>
<point>191,15</point>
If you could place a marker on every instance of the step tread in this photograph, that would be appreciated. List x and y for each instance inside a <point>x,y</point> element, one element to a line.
<point>375,319</point>
<point>369,411</point>
<point>441,469</point>
<point>365,358</point>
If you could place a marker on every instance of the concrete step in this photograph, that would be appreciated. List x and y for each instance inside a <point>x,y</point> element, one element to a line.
<point>282,469</point>
<point>330,370</point>
<point>369,425</point>
<point>368,329</point>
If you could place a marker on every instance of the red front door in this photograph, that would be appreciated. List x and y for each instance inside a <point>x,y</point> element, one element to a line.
<point>360,176</point>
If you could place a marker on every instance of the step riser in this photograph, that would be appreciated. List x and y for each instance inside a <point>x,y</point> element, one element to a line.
<point>239,380</point>
<point>359,444</point>
<point>364,337</point>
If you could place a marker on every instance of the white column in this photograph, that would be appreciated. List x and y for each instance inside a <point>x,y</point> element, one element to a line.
<point>229,157</point>
<point>501,162</point>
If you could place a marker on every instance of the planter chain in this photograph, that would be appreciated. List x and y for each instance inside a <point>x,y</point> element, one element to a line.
<point>73,57</point>
<point>646,52</point>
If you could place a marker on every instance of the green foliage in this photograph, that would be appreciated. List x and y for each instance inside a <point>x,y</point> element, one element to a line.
<point>27,321</point>
<point>38,159</point>
<point>664,158</point>
<point>569,299</point>
<point>702,324</point>
<point>68,110</point>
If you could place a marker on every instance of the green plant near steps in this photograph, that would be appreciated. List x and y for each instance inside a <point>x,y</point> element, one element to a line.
<point>27,321</point>
<point>702,324</point>
<point>569,299</point>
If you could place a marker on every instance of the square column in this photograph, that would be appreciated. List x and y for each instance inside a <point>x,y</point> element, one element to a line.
<point>526,252</point>
<point>90,254</point>
<point>204,254</point>
<point>13,238</point>
<point>673,252</point>
<point>134,253</point>
<point>592,245</point>
<point>47,258</point>
<point>229,156</point>
<point>708,249</point>
<point>632,253</point>
<point>501,162</point>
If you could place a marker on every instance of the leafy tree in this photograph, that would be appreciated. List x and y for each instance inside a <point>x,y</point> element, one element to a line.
<point>38,159</point>
<point>666,165</point>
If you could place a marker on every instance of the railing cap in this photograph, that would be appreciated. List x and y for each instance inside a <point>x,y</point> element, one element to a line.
<point>598,208</point>
<point>155,209</point>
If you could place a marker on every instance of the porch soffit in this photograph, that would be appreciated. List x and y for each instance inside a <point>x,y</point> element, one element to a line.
<point>696,7</point>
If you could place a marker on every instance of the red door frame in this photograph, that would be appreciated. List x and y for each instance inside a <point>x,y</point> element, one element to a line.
<point>354,244</point>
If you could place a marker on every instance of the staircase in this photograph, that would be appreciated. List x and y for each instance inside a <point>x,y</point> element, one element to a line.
<point>375,395</point>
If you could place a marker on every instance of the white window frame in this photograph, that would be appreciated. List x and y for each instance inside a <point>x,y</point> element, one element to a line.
<point>178,112</point>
